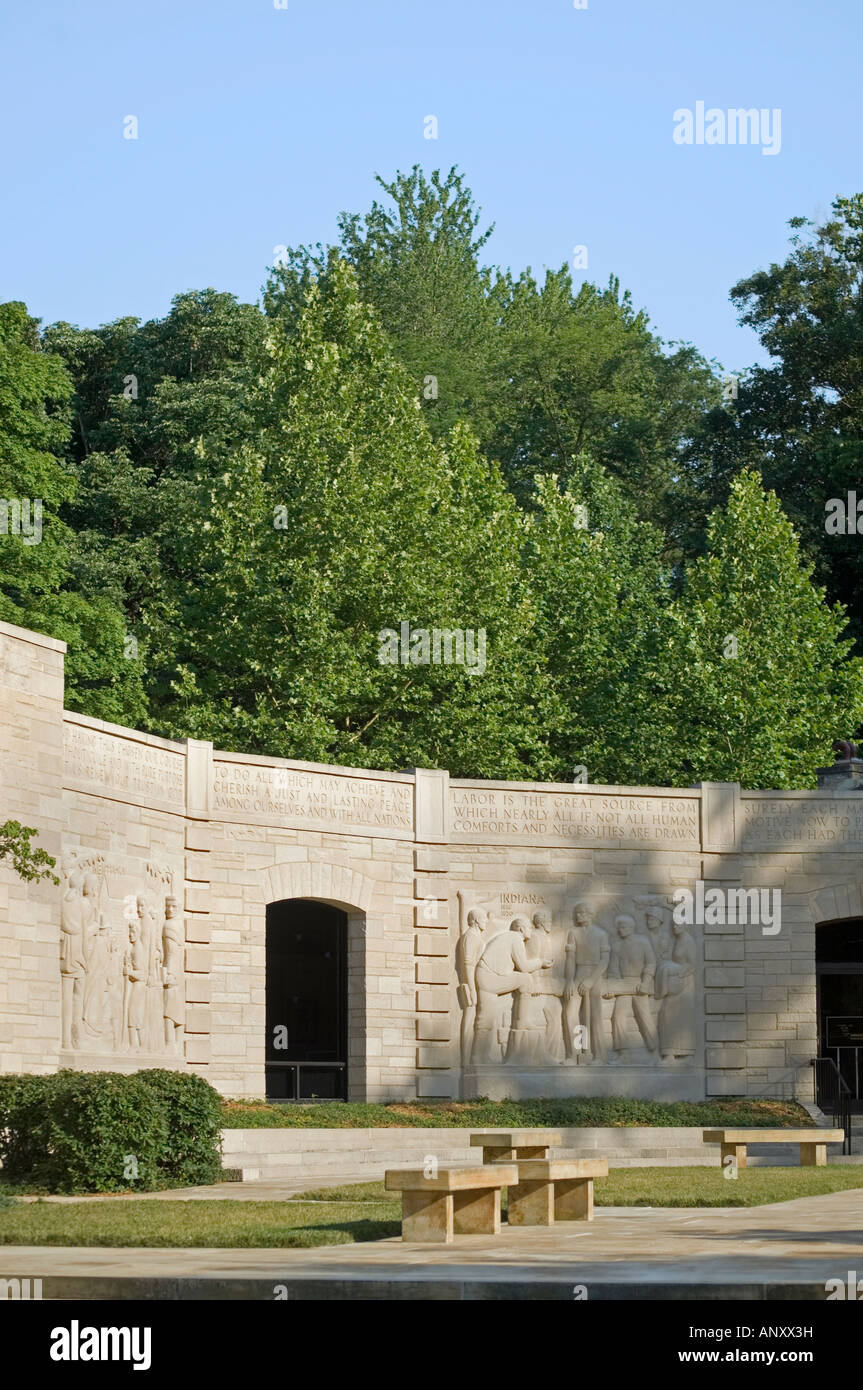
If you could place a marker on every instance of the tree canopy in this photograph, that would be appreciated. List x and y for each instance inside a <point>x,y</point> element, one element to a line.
<point>256,517</point>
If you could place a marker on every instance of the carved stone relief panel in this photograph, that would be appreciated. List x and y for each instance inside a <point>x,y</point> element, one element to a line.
<point>582,979</point>
<point>122,944</point>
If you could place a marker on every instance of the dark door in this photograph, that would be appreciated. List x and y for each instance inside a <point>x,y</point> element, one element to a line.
<point>839,970</point>
<point>307,1034</point>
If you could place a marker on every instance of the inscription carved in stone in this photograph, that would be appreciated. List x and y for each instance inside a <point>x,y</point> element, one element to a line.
<point>573,818</point>
<point>810,822</point>
<point>137,771</point>
<point>294,794</point>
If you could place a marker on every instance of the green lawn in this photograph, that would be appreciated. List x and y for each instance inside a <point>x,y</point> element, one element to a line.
<point>363,1211</point>
<point>488,1114</point>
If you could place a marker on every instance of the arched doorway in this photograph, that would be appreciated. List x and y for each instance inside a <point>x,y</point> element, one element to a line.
<point>307,1001</point>
<point>839,972</point>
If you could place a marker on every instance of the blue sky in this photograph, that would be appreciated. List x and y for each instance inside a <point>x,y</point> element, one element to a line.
<point>258,125</point>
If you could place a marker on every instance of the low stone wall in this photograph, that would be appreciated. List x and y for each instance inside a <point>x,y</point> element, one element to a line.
<point>318,1155</point>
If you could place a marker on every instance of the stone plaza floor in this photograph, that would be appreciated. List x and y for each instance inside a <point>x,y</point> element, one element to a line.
<point>785,1250</point>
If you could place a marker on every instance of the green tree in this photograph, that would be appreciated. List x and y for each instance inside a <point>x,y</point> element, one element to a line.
<point>757,677</point>
<point>30,864</point>
<point>151,402</point>
<point>342,520</point>
<point>602,595</point>
<point>541,374</point>
<point>799,420</point>
<point>418,264</point>
<point>579,371</point>
<point>38,588</point>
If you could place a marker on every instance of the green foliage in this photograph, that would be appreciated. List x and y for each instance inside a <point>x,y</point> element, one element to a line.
<point>602,596</point>
<point>799,420</point>
<point>345,519</point>
<point>150,401</point>
<point>193,1112</point>
<point>542,374</point>
<point>576,1111</point>
<point>105,1132</point>
<point>767,715</point>
<point>37,586</point>
<point>579,371</point>
<point>255,495</point>
<point>30,864</point>
<point>417,265</point>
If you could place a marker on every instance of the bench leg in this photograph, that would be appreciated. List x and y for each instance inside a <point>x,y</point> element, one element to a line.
<point>735,1151</point>
<point>573,1200</point>
<point>531,1204</point>
<point>813,1155</point>
<point>427,1217</point>
<point>477,1213</point>
<point>534,1151</point>
<point>490,1155</point>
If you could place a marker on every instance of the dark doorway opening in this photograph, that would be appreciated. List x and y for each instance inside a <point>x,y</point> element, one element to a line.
<point>839,979</point>
<point>307,1001</point>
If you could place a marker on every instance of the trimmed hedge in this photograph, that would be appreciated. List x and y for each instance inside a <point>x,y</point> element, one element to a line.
<point>193,1110</point>
<point>563,1113</point>
<point>107,1132</point>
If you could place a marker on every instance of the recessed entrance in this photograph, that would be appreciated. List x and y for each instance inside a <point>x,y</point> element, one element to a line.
<point>839,971</point>
<point>307,1004</point>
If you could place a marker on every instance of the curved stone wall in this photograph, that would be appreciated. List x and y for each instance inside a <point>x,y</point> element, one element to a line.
<point>504,938</point>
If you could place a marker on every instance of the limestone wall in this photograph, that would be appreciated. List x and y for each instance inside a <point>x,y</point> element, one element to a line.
<point>152,950</point>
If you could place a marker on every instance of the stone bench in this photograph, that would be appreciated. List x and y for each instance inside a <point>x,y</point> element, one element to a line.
<point>456,1201</point>
<point>554,1189</point>
<point>813,1142</point>
<point>505,1146</point>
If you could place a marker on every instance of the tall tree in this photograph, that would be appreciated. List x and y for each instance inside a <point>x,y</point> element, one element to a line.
<point>757,677</point>
<point>581,371</point>
<point>799,420</point>
<point>418,264</point>
<point>342,520</point>
<point>541,374</point>
<point>38,588</point>
<point>151,402</point>
<point>602,594</point>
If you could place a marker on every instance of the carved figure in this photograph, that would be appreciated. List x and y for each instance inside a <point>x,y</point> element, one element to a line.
<point>73,965</point>
<point>467,953</point>
<point>174,1001</point>
<point>587,956</point>
<point>549,986</point>
<point>658,932</point>
<point>631,971</point>
<point>135,971</point>
<point>504,968</point>
<point>675,987</point>
<point>106,975</point>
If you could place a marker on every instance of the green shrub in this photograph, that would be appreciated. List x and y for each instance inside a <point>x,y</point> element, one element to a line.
<point>25,1108</point>
<point>193,1111</point>
<point>107,1132</point>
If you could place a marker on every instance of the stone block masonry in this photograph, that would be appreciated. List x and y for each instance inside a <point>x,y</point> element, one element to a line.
<point>502,939</point>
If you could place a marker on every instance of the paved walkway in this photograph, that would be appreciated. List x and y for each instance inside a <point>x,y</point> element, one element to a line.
<point>787,1249</point>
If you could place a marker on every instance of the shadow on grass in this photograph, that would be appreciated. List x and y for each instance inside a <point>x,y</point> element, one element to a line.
<point>354,1231</point>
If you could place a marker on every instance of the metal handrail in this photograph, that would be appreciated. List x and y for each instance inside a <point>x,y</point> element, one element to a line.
<point>839,1095</point>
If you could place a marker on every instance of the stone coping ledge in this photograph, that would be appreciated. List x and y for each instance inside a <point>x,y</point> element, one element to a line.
<point>36,639</point>
<point>121,731</point>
